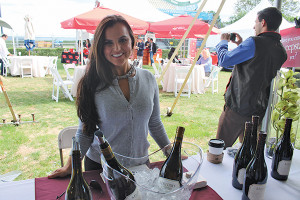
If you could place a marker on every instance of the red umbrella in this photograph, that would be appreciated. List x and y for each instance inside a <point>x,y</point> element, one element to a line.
<point>177,26</point>
<point>91,19</point>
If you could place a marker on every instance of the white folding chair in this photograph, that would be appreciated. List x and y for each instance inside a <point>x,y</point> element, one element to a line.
<point>159,60</point>
<point>6,65</point>
<point>26,65</point>
<point>52,63</point>
<point>65,140</point>
<point>59,83</point>
<point>67,67</point>
<point>156,72</point>
<point>180,74</point>
<point>213,77</point>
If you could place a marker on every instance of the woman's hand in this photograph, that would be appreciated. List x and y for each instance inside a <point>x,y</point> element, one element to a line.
<point>167,150</point>
<point>62,172</point>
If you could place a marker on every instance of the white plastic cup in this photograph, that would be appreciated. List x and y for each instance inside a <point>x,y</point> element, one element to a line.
<point>216,146</point>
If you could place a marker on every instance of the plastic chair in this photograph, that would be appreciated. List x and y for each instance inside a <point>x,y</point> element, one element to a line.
<point>59,83</point>
<point>180,74</point>
<point>26,64</point>
<point>67,67</point>
<point>65,140</point>
<point>213,77</point>
<point>6,65</point>
<point>159,60</point>
<point>52,64</point>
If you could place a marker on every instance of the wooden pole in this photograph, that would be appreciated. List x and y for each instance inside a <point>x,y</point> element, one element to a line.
<point>169,112</point>
<point>8,101</point>
<point>181,41</point>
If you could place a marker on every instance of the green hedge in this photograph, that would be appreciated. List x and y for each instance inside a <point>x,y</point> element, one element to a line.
<point>39,51</point>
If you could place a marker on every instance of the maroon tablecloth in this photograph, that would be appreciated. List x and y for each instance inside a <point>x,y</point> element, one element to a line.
<point>49,189</point>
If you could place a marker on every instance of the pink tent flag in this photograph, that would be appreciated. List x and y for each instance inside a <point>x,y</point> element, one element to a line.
<point>177,26</point>
<point>90,20</point>
<point>290,40</point>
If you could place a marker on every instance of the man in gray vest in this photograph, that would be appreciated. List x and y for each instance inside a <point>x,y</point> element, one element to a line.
<point>255,61</point>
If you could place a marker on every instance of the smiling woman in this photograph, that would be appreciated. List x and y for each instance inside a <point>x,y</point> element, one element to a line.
<point>117,98</point>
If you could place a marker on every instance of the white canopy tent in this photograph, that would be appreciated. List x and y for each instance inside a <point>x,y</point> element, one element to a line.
<point>140,9</point>
<point>245,25</point>
<point>4,24</point>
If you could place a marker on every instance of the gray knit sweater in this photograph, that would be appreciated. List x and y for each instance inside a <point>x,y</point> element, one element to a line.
<point>125,124</point>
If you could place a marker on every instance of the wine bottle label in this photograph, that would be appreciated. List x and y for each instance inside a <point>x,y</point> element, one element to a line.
<point>284,167</point>
<point>241,175</point>
<point>168,184</point>
<point>107,153</point>
<point>136,195</point>
<point>256,191</point>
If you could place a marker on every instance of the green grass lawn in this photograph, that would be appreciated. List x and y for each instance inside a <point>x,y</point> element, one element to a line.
<point>32,148</point>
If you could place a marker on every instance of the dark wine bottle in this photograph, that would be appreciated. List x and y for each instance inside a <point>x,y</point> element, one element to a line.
<point>256,172</point>
<point>282,158</point>
<point>78,189</point>
<point>255,122</point>
<point>122,183</point>
<point>170,174</point>
<point>242,158</point>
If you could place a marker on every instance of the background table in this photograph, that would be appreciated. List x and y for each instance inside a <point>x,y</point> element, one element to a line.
<point>79,71</point>
<point>39,65</point>
<point>72,57</point>
<point>197,74</point>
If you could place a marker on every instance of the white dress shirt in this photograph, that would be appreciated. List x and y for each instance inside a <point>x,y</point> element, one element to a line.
<point>3,49</point>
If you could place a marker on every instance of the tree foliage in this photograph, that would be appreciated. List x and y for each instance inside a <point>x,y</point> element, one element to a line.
<point>289,9</point>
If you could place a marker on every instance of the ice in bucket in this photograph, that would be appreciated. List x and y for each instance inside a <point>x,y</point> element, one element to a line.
<point>146,178</point>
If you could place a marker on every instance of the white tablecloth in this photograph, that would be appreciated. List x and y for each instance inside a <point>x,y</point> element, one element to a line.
<point>78,74</point>
<point>219,177</point>
<point>197,74</point>
<point>39,65</point>
<point>17,190</point>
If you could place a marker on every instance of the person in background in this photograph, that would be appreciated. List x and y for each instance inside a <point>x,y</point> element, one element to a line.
<point>147,43</point>
<point>3,52</point>
<point>175,60</point>
<point>206,61</point>
<point>256,61</point>
<point>152,50</point>
<point>88,44</point>
<point>114,96</point>
<point>140,46</point>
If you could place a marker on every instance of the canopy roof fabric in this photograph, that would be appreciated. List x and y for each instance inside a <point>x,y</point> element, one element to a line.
<point>5,24</point>
<point>91,19</point>
<point>177,26</point>
<point>246,23</point>
<point>141,9</point>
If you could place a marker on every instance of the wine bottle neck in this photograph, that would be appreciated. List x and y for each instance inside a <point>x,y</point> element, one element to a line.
<point>260,145</point>
<point>247,134</point>
<point>287,136</point>
<point>76,161</point>
<point>287,130</point>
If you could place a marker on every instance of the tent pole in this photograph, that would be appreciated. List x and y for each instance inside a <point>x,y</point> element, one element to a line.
<point>8,101</point>
<point>13,39</point>
<point>81,47</point>
<point>181,41</point>
<point>169,112</point>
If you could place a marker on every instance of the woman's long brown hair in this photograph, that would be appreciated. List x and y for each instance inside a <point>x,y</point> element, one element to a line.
<point>98,74</point>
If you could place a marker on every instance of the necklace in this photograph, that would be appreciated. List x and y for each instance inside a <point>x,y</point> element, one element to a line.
<point>128,74</point>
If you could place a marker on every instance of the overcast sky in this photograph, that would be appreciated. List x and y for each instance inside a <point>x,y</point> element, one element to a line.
<point>47,15</point>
